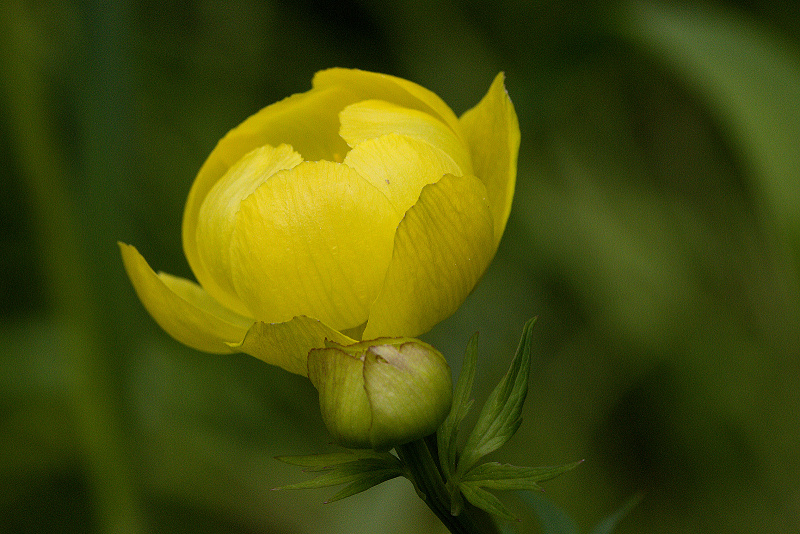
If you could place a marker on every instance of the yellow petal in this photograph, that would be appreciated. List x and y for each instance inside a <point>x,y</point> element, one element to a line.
<point>400,167</point>
<point>309,122</point>
<point>372,85</point>
<point>287,344</point>
<point>374,118</point>
<point>218,214</point>
<point>314,240</point>
<point>492,132</point>
<point>442,247</point>
<point>182,308</point>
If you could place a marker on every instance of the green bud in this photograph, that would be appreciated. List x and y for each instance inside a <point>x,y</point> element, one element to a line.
<point>381,393</point>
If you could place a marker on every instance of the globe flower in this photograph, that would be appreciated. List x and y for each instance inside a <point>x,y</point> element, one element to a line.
<point>361,209</point>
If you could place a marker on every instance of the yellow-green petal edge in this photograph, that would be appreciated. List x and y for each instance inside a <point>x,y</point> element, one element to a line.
<point>441,249</point>
<point>373,85</point>
<point>492,133</point>
<point>400,166</point>
<point>218,211</point>
<point>308,122</point>
<point>287,344</point>
<point>182,308</point>
<point>373,119</point>
<point>333,249</point>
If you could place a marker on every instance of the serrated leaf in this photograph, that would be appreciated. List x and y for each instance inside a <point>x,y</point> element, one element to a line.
<point>607,525</point>
<point>364,483</point>
<point>485,501</point>
<point>447,434</point>
<point>325,461</point>
<point>359,469</point>
<point>343,474</point>
<point>498,476</point>
<point>552,518</point>
<point>501,416</point>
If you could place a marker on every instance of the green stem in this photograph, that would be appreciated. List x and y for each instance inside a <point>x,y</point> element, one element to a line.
<point>420,459</point>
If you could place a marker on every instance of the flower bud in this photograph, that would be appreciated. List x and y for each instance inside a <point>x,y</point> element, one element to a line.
<point>381,393</point>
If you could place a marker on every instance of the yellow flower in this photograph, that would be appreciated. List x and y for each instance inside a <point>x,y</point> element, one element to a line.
<point>363,208</point>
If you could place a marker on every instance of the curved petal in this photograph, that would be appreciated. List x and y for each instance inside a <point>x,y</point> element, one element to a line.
<point>442,247</point>
<point>400,166</point>
<point>492,132</point>
<point>308,121</point>
<point>182,308</point>
<point>372,85</point>
<point>217,215</point>
<point>374,118</point>
<point>287,344</point>
<point>314,240</point>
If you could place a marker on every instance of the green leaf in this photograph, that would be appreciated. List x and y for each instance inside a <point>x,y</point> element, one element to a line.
<point>343,474</point>
<point>485,500</point>
<point>502,413</point>
<point>498,476</point>
<point>365,482</point>
<point>448,432</point>
<point>361,470</point>
<point>607,525</point>
<point>325,461</point>
<point>552,518</point>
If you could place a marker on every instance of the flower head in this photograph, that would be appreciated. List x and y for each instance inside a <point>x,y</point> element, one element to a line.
<point>363,208</point>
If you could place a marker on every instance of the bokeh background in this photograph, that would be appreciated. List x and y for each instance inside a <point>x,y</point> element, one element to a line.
<point>655,232</point>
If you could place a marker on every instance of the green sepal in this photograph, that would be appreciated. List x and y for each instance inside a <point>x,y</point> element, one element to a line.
<point>502,414</point>
<point>484,500</point>
<point>361,470</point>
<point>498,476</point>
<point>447,433</point>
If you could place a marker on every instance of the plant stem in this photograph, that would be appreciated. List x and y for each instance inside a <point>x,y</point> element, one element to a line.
<point>421,461</point>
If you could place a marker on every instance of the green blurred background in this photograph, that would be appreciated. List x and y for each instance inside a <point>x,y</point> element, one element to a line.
<point>655,232</point>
